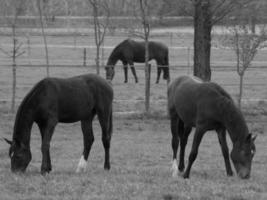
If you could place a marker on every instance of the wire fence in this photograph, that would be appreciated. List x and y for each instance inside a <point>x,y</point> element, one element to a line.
<point>75,54</point>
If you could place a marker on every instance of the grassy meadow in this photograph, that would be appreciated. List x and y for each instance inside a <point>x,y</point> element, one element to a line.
<point>140,167</point>
<point>141,146</point>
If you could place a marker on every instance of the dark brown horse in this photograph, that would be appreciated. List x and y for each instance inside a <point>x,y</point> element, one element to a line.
<point>55,100</point>
<point>130,52</point>
<point>206,106</point>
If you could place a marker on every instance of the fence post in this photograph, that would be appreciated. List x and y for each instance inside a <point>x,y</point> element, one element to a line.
<point>149,72</point>
<point>84,57</point>
<point>103,53</point>
<point>29,48</point>
<point>171,39</point>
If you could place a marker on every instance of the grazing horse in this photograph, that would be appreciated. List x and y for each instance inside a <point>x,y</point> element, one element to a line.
<point>54,100</point>
<point>207,106</point>
<point>130,51</point>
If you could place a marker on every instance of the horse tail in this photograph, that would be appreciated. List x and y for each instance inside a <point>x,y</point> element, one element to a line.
<point>110,128</point>
<point>166,67</point>
<point>167,57</point>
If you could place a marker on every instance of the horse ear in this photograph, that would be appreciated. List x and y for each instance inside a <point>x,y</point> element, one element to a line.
<point>8,141</point>
<point>251,137</point>
<point>248,139</point>
<point>254,137</point>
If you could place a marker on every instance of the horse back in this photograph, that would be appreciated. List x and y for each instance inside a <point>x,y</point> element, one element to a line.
<point>72,99</point>
<point>130,50</point>
<point>194,100</point>
<point>158,51</point>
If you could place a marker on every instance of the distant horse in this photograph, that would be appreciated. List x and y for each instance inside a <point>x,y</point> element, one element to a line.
<point>207,106</point>
<point>130,51</point>
<point>54,100</point>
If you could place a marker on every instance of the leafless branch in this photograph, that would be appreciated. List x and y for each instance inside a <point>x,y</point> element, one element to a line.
<point>18,47</point>
<point>21,53</point>
<point>5,52</point>
<point>185,12</point>
<point>225,7</point>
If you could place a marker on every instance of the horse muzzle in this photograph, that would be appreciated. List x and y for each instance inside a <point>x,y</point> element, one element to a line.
<point>244,174</point>
<point>18,170</point>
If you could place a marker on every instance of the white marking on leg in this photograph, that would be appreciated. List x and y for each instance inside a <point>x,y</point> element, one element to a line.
<point>82,165</point>
<point>174,168</point>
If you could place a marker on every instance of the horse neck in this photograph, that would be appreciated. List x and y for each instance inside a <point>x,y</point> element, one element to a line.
<point>235,124</point>
<point>23,125</point>
<point>113,58</point>
<point>112,62</point>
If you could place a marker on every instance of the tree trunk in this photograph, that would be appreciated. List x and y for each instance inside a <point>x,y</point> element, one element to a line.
<point>14,85</point>
<point>241,78</point>
<point>14,68</point>
<point>147,75</point>
<point>44,37</point>
<point>202,39</point>
<point>97,36</point>
<point>97,59</point>
<point>146,28</point>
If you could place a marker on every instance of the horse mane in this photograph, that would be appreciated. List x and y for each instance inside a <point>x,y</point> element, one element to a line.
<point>23,106</point>
<point>222,92</point>
<point>233,117</point>
<point>112,57</point>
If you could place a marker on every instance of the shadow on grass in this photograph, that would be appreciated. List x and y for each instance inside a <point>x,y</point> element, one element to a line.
<point>170,197</point>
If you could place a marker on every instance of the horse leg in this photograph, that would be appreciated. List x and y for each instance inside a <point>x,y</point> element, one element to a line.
<point>125,69</point>
<point>194,151</point>
<point>88,140</point>
<point>104,117</point>
<point>222,140</point>
<point>47,130</point>
<point>133,72</point>
<point>175,143</point>
<point>183,142</point>
<point>158,73</point>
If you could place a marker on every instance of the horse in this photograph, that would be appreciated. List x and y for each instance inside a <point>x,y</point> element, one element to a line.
<point>59,100</point>
<point>130,51</point>
<point>207,106</point>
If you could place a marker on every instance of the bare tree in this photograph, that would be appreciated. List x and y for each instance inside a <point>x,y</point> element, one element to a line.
<point>206,14</point>
<point>146,31</point>
<point>141,27</point>
<point>100,26</point>
<point>246,42</point>
<point>40,11</point>
<point>16,51</point>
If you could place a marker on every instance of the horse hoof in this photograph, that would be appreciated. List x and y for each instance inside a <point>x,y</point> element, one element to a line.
<point>45,172</point>
<point>186,175</point>
<point>230,173</point>
<point>174,169</point>
<point>106,167</point>
<point>174,174</point>
<point>82,165</point>
<point>79,170</point>
<point>181,169</point>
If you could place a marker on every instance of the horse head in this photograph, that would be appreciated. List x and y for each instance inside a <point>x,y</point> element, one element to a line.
<point>20,156</point>
<point>110,72</point>
<point>242,155</point>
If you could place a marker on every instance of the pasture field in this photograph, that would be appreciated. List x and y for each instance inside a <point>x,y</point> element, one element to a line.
<point>141,146</point>
<point>140,167</point>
